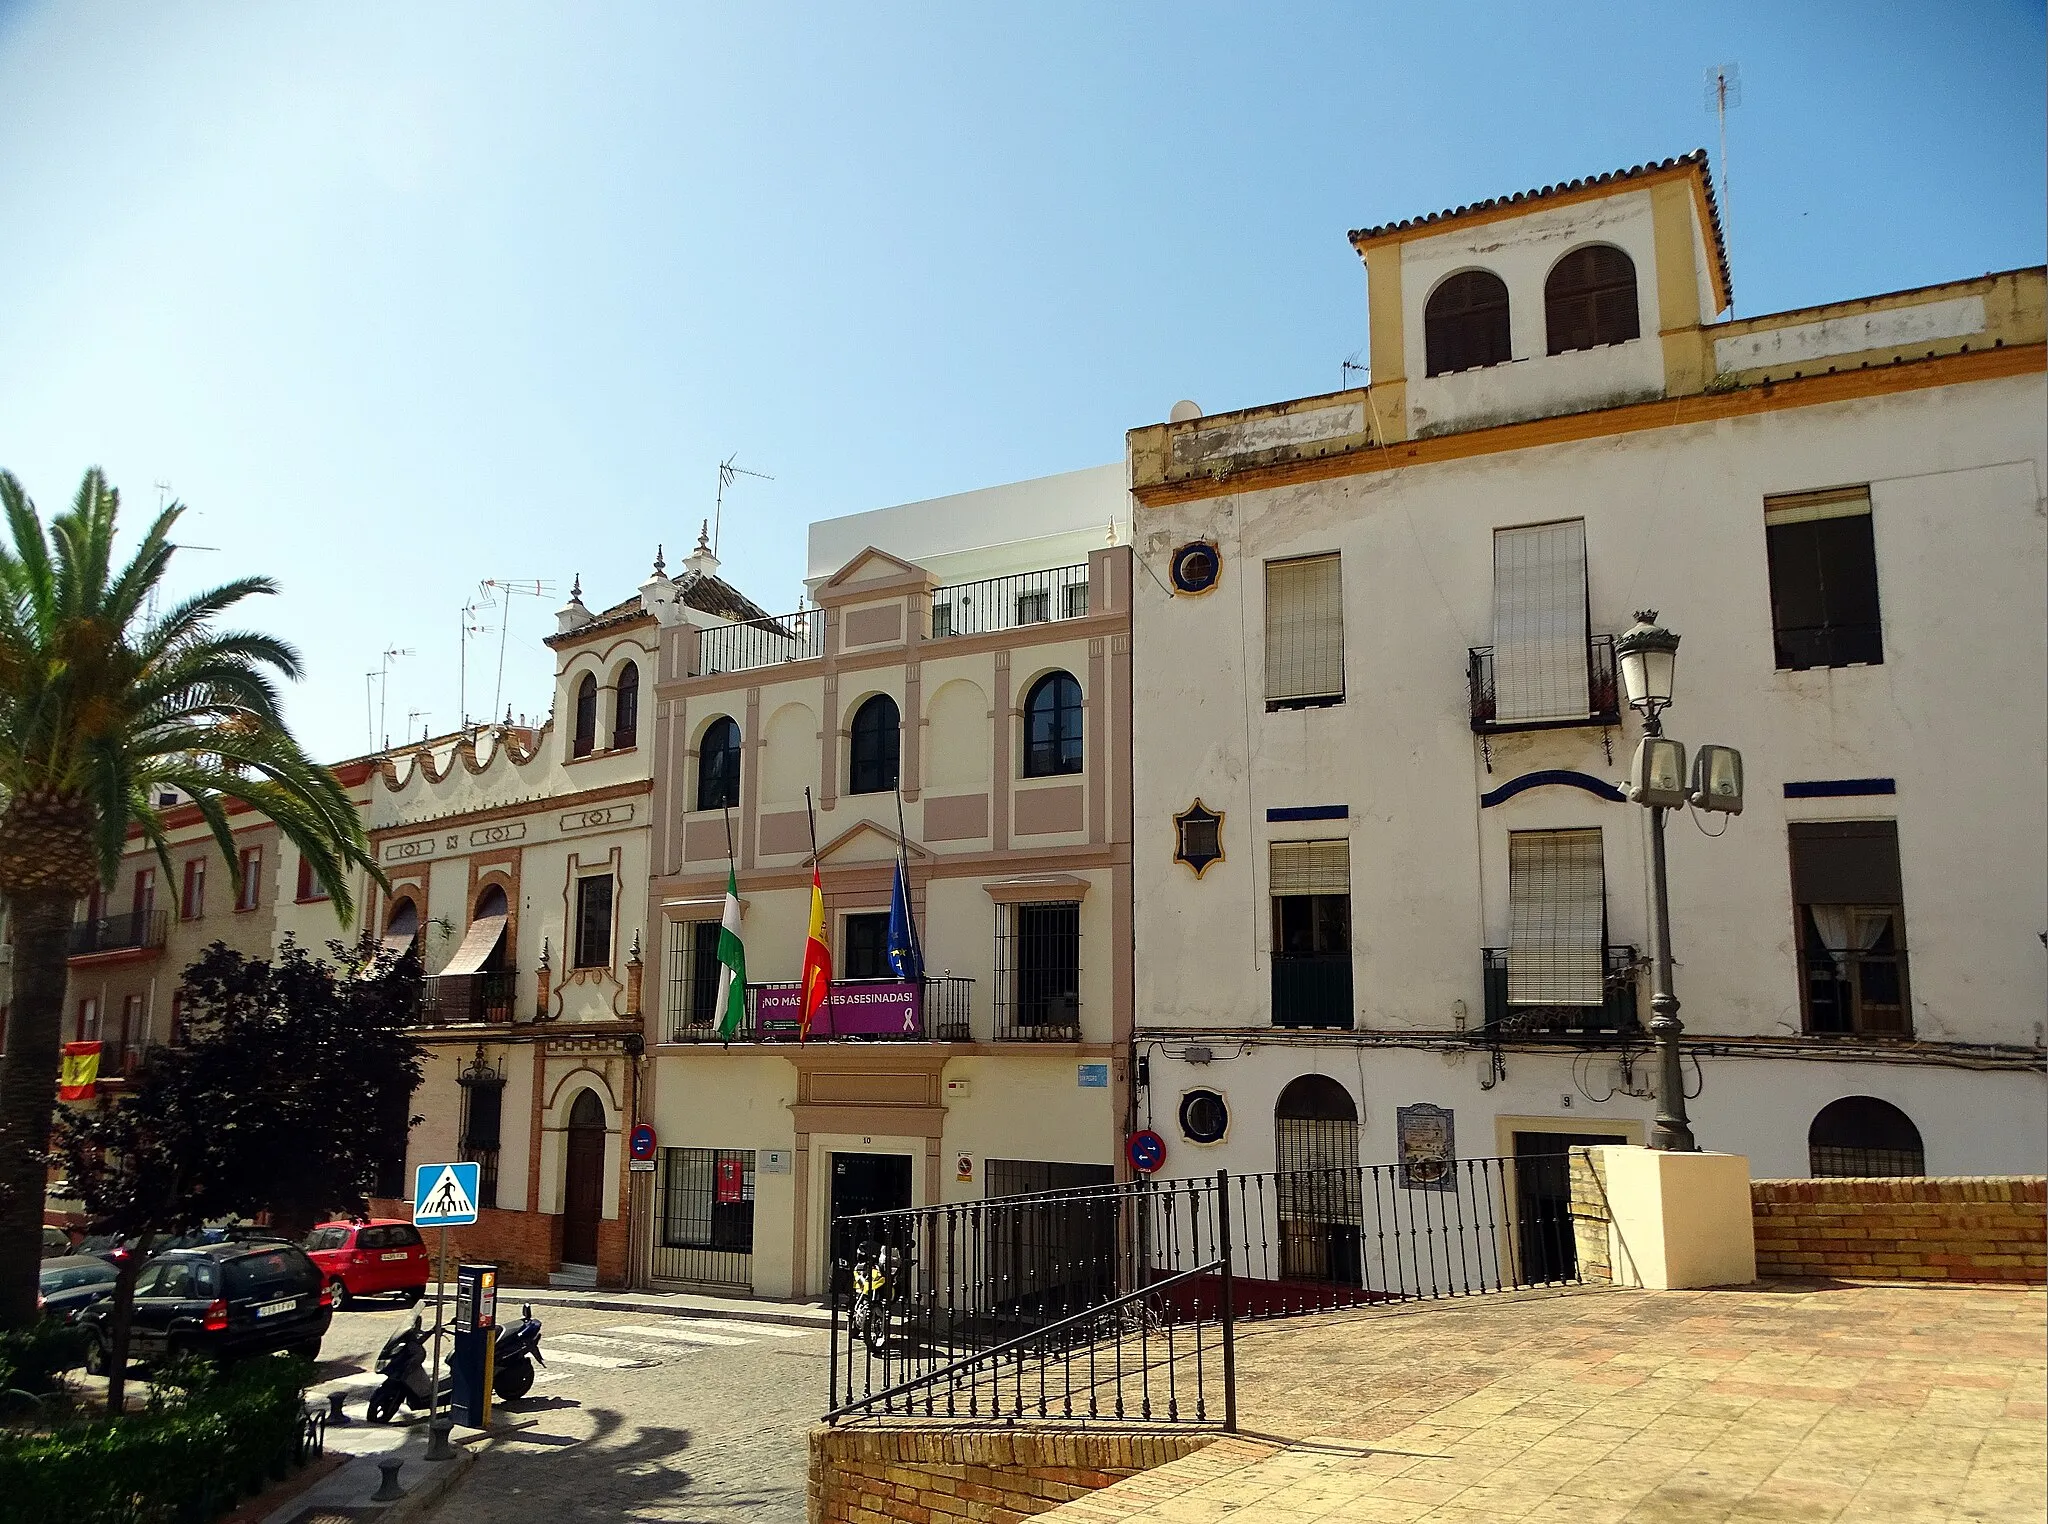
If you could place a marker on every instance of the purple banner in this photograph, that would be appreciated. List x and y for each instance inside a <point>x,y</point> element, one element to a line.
<point>857,1008</point>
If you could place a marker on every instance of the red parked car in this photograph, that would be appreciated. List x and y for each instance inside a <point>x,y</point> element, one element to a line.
<point>378,1257</point>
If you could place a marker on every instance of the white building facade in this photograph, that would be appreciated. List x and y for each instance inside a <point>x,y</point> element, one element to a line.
<point>1384,870</point>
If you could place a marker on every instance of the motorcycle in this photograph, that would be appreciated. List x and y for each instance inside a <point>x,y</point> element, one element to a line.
<point>878,1279</point>
<point>403,1365</point>
<point>516,1354</point>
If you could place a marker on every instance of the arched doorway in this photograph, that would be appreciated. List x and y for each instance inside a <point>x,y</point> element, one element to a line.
<point>583,1180</point>
<point>1315,1151</point>
<point>1861,1135</point>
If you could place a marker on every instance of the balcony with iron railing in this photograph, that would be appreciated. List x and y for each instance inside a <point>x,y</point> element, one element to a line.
<point>761,642</point>
<point>1312,990</point>
<point>135,932</point>
<point>936,1009</point>
<point>1613,1017</point>
<point>1491,715</point>
<point>468,999</point>
<point>1010,603</point>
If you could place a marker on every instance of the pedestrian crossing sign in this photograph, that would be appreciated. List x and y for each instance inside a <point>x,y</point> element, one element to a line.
<point>444,1195</point>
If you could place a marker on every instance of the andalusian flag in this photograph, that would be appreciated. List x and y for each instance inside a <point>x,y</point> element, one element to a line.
<point>816,984</point>
<point>732,958</point>
<point>78,1079</point>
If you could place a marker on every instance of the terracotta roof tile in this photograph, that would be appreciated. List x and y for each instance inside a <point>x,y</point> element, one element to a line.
<point>1615,176</point>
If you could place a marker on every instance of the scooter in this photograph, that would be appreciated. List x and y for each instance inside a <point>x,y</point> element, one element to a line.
<point>877,1281</point>
<point>516,1354</point>
<point>403,1365</point>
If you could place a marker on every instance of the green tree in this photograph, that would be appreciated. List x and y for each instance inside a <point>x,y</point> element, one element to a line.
<point>289,1099</point>
<point>100,704</point>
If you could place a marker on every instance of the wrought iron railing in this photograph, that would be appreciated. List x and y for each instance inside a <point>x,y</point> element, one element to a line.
<point>1061,1305</point>
<point>1603,692</point>
<point>761,642</point>
<point>456,999</point>
<point>1614,1016</point>
<point>1312,990</point>
<point>1008,603</point>
<point>859,1010</point>
<point>128,932</point>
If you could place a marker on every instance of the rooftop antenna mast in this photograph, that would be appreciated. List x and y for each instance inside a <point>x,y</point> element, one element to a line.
<point>381,681</point>
<point>509,588</point>
<point>726,472</point>
<point>1724,89</point>
<point>471,625</point>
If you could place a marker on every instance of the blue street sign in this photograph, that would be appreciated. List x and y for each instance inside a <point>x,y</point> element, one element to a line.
<point>444,1195</point>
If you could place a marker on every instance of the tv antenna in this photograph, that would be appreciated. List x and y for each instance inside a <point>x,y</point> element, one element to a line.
<point>421,716</point>
<point>472,624</point>
<point>508,588</point>
<point>1724,89</point>
<point>726,472</point>
<point>1351,368</point>
<point>379,683</point>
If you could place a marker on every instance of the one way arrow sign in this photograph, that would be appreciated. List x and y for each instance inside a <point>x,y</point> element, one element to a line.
<point>444,1195</point>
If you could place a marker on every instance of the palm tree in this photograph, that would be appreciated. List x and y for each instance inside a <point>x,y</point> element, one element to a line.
<point>100,705</point>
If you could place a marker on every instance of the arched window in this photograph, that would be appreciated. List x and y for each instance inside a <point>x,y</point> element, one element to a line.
<point>626,708</point>
<point>1861,1135</point>
<point>401,927</point>
<point>1590,299</point>
<point>1465,323</point>
<point>877,746</point>
<point>718,765</point>
<point>1052,726</point>
<point>1315,1152</point>
<point>588,1111</point>
<point>585,740</point>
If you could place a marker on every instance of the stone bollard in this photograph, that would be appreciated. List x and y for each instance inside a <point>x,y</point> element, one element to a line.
<point>335,1417</point>
<point>438,1448</point>
<point>388,1490</point>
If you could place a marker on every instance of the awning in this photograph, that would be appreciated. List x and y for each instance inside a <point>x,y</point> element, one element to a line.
<point>481,940</point>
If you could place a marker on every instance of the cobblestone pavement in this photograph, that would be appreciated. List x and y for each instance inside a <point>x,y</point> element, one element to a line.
<point>1853,1404</point>
<point>636,1418</point>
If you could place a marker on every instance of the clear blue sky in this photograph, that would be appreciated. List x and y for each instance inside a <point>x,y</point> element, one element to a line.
<point>399,297</point>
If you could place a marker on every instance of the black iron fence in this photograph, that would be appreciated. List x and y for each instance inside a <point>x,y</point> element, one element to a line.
<point>1121,1301</point>
<point>859,1010</point>
<point>1614,1016</point>
<point>1603,693</point>
<point>454,999</point>
<point>1005,603</point>
<point>761,643</point>
<point>130,931</point>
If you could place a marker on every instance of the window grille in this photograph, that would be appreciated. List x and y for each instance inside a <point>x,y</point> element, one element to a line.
<point>1304,631</point>
<point>1851,926</point>
<point>1860,1135</point>
<point>1557,935</point>
<point>1590,299</point>
<point>1074,600</point>
<point>690,971</point>
<point>877,740</point>
<point>594,922</point>
<point>1034,606</point>
<point>942,620</point>
<point>1465,323</point>
<point>1038,972</point>
<point>1320,1205</point>
<point>483,1105</point>
<point>1823,564</point>
<point>1052,727</point>
<point>704,1223</point>
<point>718,766</point>
<point>1540,652</point>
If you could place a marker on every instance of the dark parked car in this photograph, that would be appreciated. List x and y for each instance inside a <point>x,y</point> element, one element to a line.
<point>224,1301</point>
<point>72,1282</point>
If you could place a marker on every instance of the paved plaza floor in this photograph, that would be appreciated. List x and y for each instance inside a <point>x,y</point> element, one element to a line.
<point>1782,1401</point>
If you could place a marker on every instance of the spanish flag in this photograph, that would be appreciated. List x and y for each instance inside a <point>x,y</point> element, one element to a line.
<point>816,983</point>
<point>78,1079</point>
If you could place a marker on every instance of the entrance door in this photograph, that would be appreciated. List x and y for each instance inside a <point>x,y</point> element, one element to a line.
<point>583,1180</point>
<point>862,1183</point>
<point>1543,1203</point>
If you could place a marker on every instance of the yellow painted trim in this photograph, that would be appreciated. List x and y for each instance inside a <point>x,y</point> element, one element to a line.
<point>1675,412</point>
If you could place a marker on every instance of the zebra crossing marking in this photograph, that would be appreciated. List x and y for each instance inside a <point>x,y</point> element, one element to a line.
<point>688,1335</point>
<point>769,1330</point>
<point>554,1354</point>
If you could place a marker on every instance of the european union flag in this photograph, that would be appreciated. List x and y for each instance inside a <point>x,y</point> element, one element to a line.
<point>905,960</point>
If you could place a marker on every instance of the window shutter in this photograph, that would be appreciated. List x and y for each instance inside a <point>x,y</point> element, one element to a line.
<point>1539,622</point>
<point>1311,867</point>
<point>1557,897</point>
<point>1304,628</point>
<point>1846,862</point>
<point>1805,507</point>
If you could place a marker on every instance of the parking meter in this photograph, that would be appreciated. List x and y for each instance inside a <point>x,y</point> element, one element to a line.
<point>471,1368</point>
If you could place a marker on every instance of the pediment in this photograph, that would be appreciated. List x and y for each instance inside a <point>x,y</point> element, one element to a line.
<point>871,571</point>
<point>868,841</point>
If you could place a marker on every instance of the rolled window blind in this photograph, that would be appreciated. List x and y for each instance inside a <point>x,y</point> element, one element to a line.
<point>1557,897</point>
<point>1311,867</point>
<point>1805,507</point>
<point>1539,622</point>
<point>1304,628</point>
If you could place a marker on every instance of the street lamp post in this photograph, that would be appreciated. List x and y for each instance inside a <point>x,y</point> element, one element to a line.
<point>1649,658</point>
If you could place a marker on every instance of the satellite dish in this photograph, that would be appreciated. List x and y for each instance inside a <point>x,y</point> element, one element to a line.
<point>1184,411</point>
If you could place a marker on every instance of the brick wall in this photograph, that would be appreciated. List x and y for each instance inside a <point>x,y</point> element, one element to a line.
<point>526,1246</point>
<point>940,1476</point>
<point>1990,1228</point>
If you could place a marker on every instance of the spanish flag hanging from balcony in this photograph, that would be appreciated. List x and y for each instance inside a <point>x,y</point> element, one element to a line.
<point>78,1077</point>
<point>816,984</point>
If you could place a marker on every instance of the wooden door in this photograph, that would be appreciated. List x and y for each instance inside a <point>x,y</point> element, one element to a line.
<point>583,1181</point>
